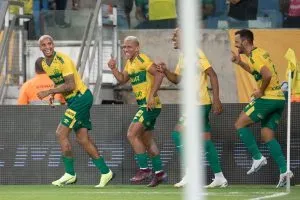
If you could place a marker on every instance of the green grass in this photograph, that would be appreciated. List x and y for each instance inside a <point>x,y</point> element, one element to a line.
<point>130,192</point>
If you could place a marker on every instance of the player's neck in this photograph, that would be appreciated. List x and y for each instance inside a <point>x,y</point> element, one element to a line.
<point>133,57</point>
<point>249,49</point>
<point>50,59</point>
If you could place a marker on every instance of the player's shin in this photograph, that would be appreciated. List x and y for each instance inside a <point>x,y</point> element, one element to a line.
<point>69,165</point>
<point>176,137</point>
<point>248,139</point>
<point>101,165</point>
<point>276,153</point>
<point>212,156</point>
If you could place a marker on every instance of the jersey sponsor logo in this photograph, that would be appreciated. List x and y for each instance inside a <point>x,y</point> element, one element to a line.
<point>138,77</point>
<point>276,88</point>
<point>57,78</point>
<point>138,94</point>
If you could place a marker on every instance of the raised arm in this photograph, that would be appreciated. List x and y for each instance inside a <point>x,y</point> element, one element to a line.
<point>237,60</point>
<point>122,77</point>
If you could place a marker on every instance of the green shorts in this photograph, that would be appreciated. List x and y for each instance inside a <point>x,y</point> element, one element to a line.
<point>78,113</point>
<point>205,110</point>
<point>268,111</point>
<point>147,118</point>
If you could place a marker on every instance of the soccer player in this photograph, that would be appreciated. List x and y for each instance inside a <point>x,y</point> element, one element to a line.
<point>206,71</point>
<point>266,107</point>
<point>145,81</point>
<point>62,71</point>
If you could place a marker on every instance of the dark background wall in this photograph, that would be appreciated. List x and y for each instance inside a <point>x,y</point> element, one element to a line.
<point>29,153</point>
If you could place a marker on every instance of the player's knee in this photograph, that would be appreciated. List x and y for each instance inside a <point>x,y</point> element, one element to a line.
<point>267,134</point>
<point>82,140</point>
<point>65,147</point>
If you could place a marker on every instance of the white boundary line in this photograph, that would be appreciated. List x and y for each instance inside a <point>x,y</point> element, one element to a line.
<point>271,196</point>
<point>94,191</point>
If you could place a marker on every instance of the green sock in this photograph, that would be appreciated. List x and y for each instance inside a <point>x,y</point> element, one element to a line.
<point>142,160</point>
<point>156,162</point>
<point>212,156</point>
<point>176,136</point>
<point>69,165</point>
<point>276,153</point>
<point>101,165</point>
<point>249,141</point>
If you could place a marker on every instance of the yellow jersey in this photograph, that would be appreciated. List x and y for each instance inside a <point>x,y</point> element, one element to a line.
<point>141,80</point>
<point>62,66</point>
<point>203,63</point>
<point>258,59</point>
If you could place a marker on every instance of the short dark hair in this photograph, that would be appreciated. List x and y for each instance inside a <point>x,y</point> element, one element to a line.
<point>38,66</point>
<point>245,34</point>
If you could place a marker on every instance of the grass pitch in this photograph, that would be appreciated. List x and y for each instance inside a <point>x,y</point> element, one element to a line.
<point>133,192</point>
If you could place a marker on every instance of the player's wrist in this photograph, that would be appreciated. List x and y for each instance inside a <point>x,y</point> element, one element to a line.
<point>51,92</point>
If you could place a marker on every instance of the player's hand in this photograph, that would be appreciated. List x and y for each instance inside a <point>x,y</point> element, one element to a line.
<point>217,107</point>
<point>161,67</point>
<point>257,93</point>
<point>112,63</point>
<point>42,94</point>
<point>150,103</point>
<point>235,58</point>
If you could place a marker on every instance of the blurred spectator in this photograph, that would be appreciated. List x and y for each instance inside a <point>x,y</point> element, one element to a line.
<point>61,6</point>
<point>161,14</point>
<point>291,13</point>
<point>124,8</point>
<point>41,81</point>
<point>39,6</point>
<point>240,11</point>
<point>208,7</point>
<point>141,10</point>
<point>75,4</point>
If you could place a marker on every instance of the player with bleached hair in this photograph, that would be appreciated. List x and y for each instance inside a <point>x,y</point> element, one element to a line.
<point>62,71</point>
<point>145,81</point>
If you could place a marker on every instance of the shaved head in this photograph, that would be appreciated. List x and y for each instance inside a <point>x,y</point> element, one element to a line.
<point>45,37</point>
<point>132,39</point>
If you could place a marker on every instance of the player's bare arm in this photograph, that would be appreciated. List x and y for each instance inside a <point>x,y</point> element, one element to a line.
<point>122,77</point>
<point>171,76</point>
<point>158,77</point>
<point>236,58</point>
<point>266,78</point>
<point>67,86</point>
<point>217,105</point>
